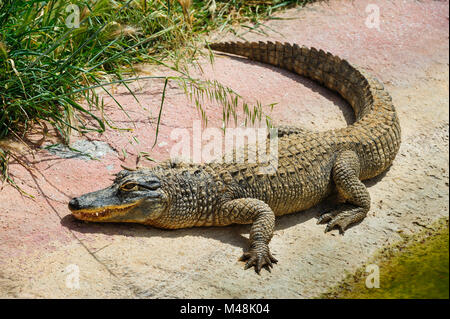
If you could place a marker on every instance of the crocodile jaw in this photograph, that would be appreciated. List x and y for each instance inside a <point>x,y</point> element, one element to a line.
<point>103,213</point>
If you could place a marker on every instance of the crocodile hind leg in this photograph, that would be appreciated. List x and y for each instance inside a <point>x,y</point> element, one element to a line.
<point>262,218</point>
<point>346,177</point>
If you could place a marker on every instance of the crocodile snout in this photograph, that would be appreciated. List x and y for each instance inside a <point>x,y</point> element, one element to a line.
<point>74,204</point>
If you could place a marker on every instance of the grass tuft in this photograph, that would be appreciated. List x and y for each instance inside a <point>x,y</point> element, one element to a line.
<point>47,66</point>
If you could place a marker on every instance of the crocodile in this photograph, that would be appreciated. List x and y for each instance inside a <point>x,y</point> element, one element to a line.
<point>311,165</point>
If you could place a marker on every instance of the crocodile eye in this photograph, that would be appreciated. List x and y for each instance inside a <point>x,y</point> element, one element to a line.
<point>129,187</point>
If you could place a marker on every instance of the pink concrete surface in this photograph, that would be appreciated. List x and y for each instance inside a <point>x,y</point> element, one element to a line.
<point>413,35</point>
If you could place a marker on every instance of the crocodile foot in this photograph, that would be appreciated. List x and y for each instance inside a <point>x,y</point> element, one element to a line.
<point>259,257</point>
<point>327,216</point>
<point>341,217</point>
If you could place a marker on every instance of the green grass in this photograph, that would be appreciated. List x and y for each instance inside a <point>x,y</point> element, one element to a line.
<point>416,268</point>
<point>47,68</point>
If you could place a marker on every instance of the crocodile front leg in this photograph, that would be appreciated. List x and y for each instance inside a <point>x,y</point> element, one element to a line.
<point>346,177</point>
<point>262,218</point>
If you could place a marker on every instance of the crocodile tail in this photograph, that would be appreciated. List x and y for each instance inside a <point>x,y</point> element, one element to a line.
<point>376,118</point>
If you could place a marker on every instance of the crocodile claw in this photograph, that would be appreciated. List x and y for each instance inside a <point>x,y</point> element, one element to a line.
<point>259,258</point>
<point>324,218</point>
<point>333,218</point>
<point>332,225</point>
<point>342,221</point>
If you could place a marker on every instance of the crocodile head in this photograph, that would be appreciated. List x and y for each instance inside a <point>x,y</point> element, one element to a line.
<point>134,196</point>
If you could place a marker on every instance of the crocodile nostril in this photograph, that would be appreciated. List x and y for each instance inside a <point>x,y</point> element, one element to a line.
<point>74,204</point>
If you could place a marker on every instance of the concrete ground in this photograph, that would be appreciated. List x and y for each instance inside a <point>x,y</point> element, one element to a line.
<point>43,249</point>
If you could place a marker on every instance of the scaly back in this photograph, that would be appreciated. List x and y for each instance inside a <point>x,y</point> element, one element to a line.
<point>375,135</point>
